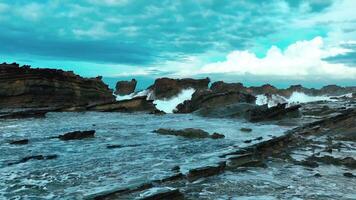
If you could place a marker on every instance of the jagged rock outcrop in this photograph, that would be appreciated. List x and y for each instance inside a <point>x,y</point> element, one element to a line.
<point>165,88</point>
<point>330,90</point>
<point>125,87</point>
<point>221,86</point>
<point>131,105</point>
<point>211,99</point>
<point>25,87</point>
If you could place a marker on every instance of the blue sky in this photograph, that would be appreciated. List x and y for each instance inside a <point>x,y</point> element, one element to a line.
<point>278,40</point>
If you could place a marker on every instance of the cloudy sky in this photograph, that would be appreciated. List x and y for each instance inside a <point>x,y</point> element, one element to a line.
<point>251,40</point>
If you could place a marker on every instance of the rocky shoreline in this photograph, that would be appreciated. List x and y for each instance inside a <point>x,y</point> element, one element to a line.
<point>321,128</point>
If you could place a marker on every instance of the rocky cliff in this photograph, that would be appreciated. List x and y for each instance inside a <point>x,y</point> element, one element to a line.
<point>26,87</point>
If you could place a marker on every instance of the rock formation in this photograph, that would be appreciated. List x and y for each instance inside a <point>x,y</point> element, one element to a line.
<point>165,88</point>
<point>209,98</point>
<point>126,87</point>
<point>130,105</point>
<point>331,90</point>
<point>25,87</point>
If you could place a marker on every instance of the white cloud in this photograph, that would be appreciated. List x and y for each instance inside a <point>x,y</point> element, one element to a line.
<point>31,11</point>
<point>301,59</point>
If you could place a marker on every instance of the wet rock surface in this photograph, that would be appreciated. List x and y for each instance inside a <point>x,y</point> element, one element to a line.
<point>137,104</point>
<point>77,135</point>
<point>24,114</point>
<point>167,195</point>
<point>189,133</point>
<point>19,142</point>
<point>264,113</point>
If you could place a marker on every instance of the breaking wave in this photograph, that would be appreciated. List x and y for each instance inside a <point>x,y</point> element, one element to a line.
<point>133,95</point>
<point>168,105</point>
<point>295,98</point>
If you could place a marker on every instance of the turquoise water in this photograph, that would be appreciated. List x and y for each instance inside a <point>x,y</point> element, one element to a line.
<point>87,167</point>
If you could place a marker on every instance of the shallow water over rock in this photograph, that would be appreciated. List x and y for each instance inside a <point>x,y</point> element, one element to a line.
<point>85,167</point>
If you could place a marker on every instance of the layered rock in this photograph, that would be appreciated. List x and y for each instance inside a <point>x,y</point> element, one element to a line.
<point>131,105</point>
<point>125,87</point>
<point>165,88</point>
<point>330,90</point>
<point>209,98</point>
<point>25,87</point>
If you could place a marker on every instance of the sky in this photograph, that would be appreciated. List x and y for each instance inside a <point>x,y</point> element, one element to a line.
<point>251,41</point>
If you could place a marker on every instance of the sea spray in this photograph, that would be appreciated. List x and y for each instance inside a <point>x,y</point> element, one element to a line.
<point>168,105</point>
<point>295,98</point>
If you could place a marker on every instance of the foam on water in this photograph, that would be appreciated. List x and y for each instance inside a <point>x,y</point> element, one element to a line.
<point>168,105</point>
<point>295,98</point>
<point>133,95</point>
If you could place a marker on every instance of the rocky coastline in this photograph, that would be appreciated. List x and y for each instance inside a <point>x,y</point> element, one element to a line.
<point>323,132</point>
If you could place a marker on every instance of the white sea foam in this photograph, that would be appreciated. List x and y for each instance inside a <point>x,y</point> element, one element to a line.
<point>133,95</point>
<point>296,97</point>
<point>168,105</point>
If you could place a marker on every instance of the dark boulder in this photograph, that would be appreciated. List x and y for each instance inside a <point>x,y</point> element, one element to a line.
<point>125,87</point>
<point>349,175</point>
<point>165,88</point>
<point>77,135</point>
<point>264,113</point>
<point>189,133</point>
<point>246,129</point>
<point>20,142</point>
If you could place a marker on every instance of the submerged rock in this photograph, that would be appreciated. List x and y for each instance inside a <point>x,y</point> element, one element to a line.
<point>189,133</point>
<point>349,175</point>
<point>20,142</point>
<point>37,157</point>
<point>246,129</point>
<point>25,87</point>
<point>77,135</point>
<point>125,87</point>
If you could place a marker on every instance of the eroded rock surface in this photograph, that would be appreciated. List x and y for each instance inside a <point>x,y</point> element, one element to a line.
<point>125,87</point>
<point>165,88</point>
<point>26,87</point>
